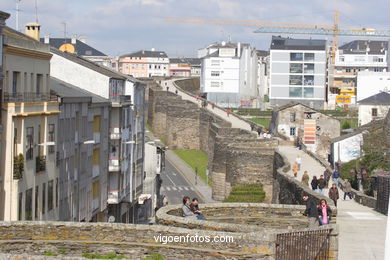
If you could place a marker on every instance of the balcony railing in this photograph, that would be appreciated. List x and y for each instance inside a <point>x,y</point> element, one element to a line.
<point>117,98</point>
<point>40,164</point>
<point>113,197</point>
<point>115,133</point>
<point>28,97</point>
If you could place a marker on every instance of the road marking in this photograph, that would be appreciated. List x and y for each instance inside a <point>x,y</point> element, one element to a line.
<point>170,179</point>
<point>168,188</point>
<point>174,188</point>
<point>186,188</point>
<point>364,215</point>
<point>180,188</point>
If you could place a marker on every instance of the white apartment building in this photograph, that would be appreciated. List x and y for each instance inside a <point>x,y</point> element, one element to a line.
<point>127,127</point>
<point>263,77</point>
<point>229,74</point>
<point>297,71</point>
<point>82,155</point>
<point>352,58</point>
<point>28,175</point>
<point>370,83</point>
<point>374,107</point>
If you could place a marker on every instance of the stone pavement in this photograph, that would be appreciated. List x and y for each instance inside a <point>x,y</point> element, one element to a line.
<point>362,230</point>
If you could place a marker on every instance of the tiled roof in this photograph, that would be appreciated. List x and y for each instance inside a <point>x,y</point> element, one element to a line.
<point>192,61</point>
<point>147,54</point>
<point>360,46</point>
<point>81,48</point>
<point>382,98</point>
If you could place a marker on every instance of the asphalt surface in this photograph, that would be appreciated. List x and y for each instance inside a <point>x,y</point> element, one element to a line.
<point>175,186</point>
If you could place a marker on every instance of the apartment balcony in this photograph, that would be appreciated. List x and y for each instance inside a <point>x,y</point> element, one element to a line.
<point>115,133</point>
<point>120,99</point>
<point>28,97</point>
<point>95,203</point>
<point>114,165</point>
<point>95,170</point>
<point>113,197</point>
<point>96,137</point>
<point>40,163</point>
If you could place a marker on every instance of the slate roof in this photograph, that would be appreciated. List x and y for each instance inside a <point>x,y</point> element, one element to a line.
<point>382,98</point>
<point>192,61</point>
<point>360,47</point>
<point>81,48</point>
<point>280,43</point>
<point>371,125</point>
<point>148,54</point>
<point>292,104</point>
<point>64,89</point>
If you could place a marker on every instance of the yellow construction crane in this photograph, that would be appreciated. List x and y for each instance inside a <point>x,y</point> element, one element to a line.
<point>292,28</point>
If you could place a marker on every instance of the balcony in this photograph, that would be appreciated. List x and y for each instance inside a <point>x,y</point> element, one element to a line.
<point>18,167</point>
<point>113,165</point>
<point>115,133</point>
<point>113,197</point>
<point>96,137</point>
<point>120,99</point>
<point>95,170</point>
<point>95,203</point>
<point>28,97</point>
<point>40,163</point>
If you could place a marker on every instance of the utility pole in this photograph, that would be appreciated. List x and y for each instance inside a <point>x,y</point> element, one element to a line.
<point>17,14</point>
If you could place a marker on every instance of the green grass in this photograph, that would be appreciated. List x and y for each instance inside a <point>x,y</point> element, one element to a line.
<point>252,112</point>
<point>99,256</point>
<point>349,123</point>
<point>261,121</point>
<point>149,127</point>
<point>196,159</point>
<point>246,193</point>
<point>48,253</point>
<point>155,256</point>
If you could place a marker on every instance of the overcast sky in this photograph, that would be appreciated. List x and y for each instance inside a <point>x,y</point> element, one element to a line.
<point>121,26</point>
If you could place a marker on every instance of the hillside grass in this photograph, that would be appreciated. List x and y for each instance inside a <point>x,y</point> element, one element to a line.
<point>197,160</point>
<point>261,121</point>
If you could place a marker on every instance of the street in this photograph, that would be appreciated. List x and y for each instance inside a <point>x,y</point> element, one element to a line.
<point>175,186</point>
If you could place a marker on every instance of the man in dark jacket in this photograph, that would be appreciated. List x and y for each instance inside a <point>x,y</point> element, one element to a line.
<point>321,184</point>
<point>311,211</point>
<point>334,194</point>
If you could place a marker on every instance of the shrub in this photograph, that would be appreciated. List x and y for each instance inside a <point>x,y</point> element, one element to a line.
<point>246,193</point>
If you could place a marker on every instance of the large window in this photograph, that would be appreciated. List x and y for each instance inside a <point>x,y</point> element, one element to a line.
<point>43,198</point>
<point>374,112</point>
<point>28,205</point>
<point>20,205</point>
<point>292,131</point>
<point>50,190</point>
<point>215,73</point>
<point>36,202</point>
<point>309,56</point>
<point>30,143</point>
<point>295,80</point>
<point>296,68</point>
<point>295,92</point>
<point>51,137</point>
<point>292,116</point>
<point>294,56</point>
<point>214,84</point>
<point>15,81</point>
<point>308,92</point>
<point>308,80</point>
<point>39,85</point>
<point>309,68</point>
<point>215,62</point>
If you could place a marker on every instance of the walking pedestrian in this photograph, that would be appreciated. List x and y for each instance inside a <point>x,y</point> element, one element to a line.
<point>334,193</point>
<point>311,211</point>
<point>212,105</point>
<point>298,160</point>
<point>347,189</point>
<point>305,178</point>
<point>327,174</point>
<point>228,112</point>
<point>258,131</point>
<point>176,92</point>
<point>324,213</point>
<point>295,169</point>
<point>314,183</point>
<point>335,177</point>
<point>321,184</point>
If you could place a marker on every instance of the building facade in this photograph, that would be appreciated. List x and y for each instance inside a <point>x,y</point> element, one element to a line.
<point>144,64</point>
<point>263,77</point>
<point>229,74</point>
<point>82,155</point>
<point>374,108</point>
<point>179,68</point>
<point>352,58</point>
<point>127,126</point>
<point>371,83</point>
<point>28,175</point>
<point>298,71</point>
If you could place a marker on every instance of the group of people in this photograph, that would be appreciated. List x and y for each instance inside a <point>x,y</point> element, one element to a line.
<point>191,208</point>
<point>317,214</point>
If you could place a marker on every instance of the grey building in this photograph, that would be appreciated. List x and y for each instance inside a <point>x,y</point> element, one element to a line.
<point>298,71</point>
<point>3,16</point>
<point>82,153</point>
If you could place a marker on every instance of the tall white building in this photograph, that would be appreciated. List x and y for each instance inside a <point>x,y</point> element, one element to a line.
<point>298,71</point>
<point>263,76</point>
<point>229,74</point>
<point>371,83</point>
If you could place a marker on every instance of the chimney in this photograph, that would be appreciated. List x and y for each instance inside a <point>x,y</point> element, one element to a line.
<point>239,49</point>
<point>33,30</point>
<point>73,39</point>
<point>82,39</point>
<point>47,39</point>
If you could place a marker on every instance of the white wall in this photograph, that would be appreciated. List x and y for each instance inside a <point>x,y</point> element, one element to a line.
<point>228,78</point>
<point>371,83</point>
<point>348,149</point>
<point>365,113</point>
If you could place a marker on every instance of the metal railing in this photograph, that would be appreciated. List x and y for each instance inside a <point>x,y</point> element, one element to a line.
<point>117,98</point>
<point>40,163</point>
<point>28,97</point>
<point>303,245</point>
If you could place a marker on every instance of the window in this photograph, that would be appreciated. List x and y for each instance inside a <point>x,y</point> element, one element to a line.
<point>215,73</point>
<point>360,59</point>
<point>295,92</point>
<point>292,116</point>
<point>292,131</point>
<point>39,83</point>
<point>296,56</point>
<point>50,195</point>
<point>215,62</point>
<point>342,59</point>
<point>374,112</point>
<point>20,205</point>
<point>309,56</point>
<point>377,59</point>
<point>43,198</point>
<point>51,137</point>
<point>57,193</point>
<point>15,82</point>
<point>28,205</point>
<point>309,68</point>
<point>308,92</point>
<point>214,84</point>
<point>30,143</point>
<point>296,68</point>
<point>378,69</point>
<point>308,80</point>
<point>36,202</point>
<point>295,80</point>
<point>348,70</point>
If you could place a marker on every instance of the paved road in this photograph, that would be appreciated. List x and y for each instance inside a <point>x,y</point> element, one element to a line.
<point>175,186</point>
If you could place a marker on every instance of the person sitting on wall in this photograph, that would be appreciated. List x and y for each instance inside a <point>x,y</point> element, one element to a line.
<point>187,212</point>
<point>194,206</point>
